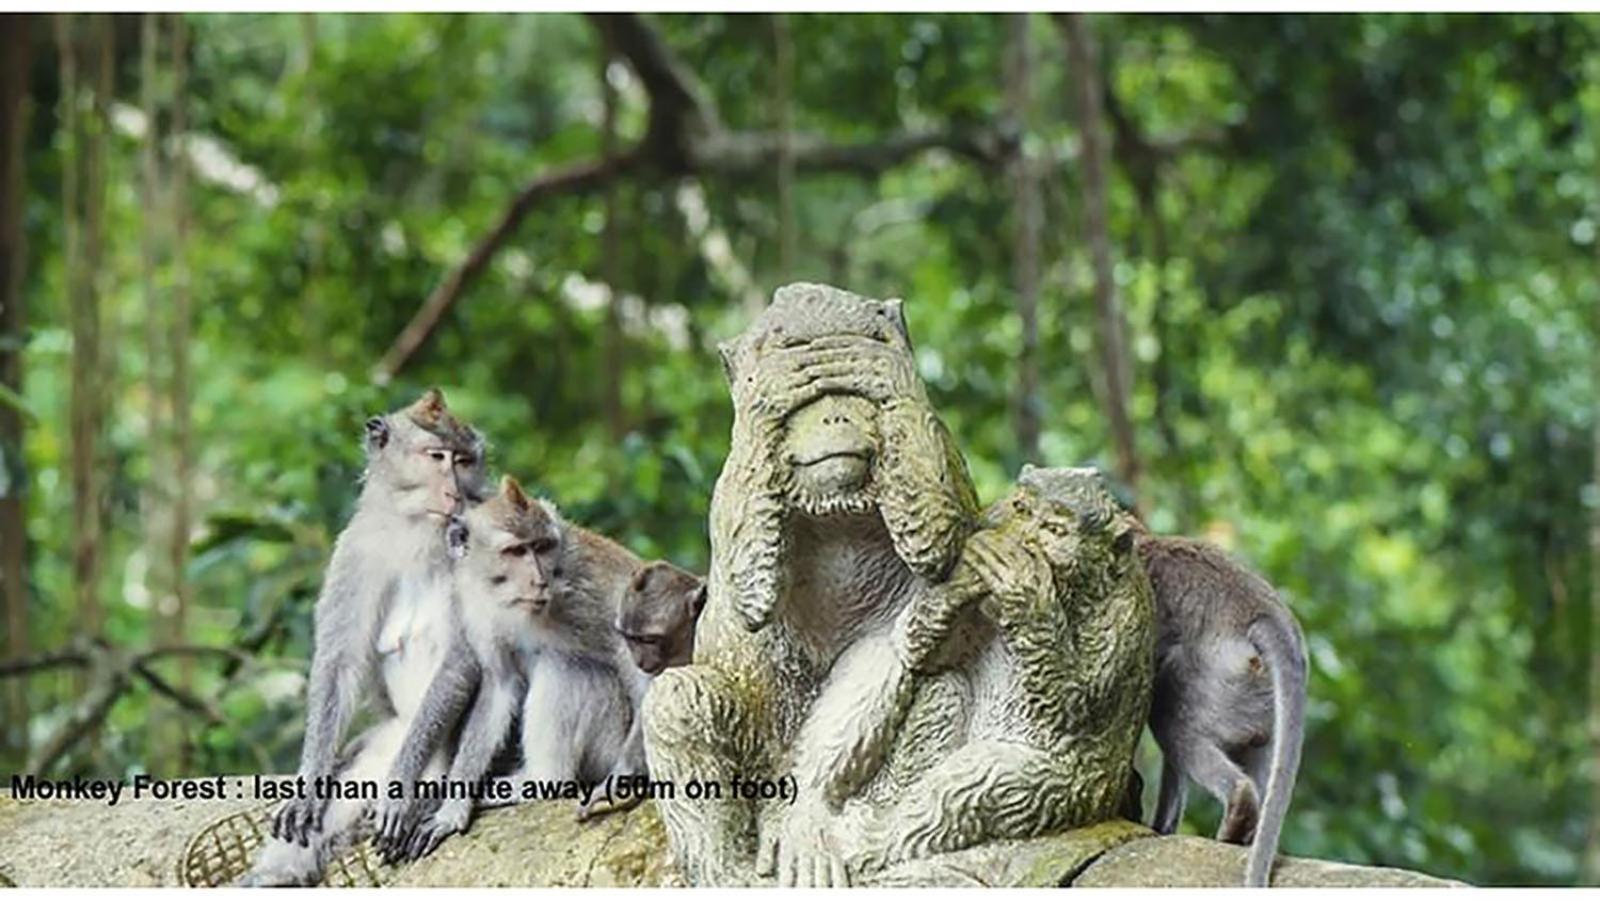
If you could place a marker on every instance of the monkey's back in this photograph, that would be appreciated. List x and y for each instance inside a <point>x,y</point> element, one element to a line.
<point>1209,673</point>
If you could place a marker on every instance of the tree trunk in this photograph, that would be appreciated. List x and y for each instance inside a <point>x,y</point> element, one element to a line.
<point>1026,222</point>
<point>1591,856</point>
<point>610,263</point>
<point>182,422</point>
<point>164,726</point>
<point>783,101</point>
<point>15,59</point>
<point>83,194</point>
<point>1112,326</point>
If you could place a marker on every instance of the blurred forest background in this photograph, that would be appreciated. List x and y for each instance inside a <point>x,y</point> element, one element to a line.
<point>1321,289</point>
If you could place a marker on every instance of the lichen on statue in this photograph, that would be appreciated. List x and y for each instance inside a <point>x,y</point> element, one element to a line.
<point>931,680</point>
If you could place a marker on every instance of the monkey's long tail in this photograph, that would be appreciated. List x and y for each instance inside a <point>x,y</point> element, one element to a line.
<point>1277,638</point>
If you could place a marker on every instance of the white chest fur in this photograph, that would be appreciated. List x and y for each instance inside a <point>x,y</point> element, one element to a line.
<point>413,638</point>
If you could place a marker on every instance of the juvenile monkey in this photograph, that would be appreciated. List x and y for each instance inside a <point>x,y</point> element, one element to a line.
<point>381,625</point>
<point>1230,689</point>
<point>503,551</point>
<point>537,601</point>
<point>657,616</point>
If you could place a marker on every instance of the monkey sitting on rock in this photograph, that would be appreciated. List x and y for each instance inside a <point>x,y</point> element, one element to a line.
<point>657,616</point>
<point>1229,705</point>
<point>547,616</point>
<point>381,629</point>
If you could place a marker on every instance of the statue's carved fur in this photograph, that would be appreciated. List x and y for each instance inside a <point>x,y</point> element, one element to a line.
<point>838,530</point>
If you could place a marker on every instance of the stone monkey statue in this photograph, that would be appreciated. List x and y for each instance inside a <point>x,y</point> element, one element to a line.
<point>843,503</point>
<point>1047,605</point>
<point>1230,690</point>
<point>381,625</point>
<point>831,509</point>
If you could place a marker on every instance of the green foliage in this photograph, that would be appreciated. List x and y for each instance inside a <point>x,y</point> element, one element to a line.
<point>1362,314</point>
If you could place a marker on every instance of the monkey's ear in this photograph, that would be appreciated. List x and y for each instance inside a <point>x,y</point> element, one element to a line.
<point>729,368</point>
<point>1028,469</point>
<point>697,603</point>
<point>514,494</point>
<point>377,429</point>
<point>430,407</point>
<point>1123,545</point>
<point>640,579</point>
<point>897,317</point>
<point>455,537</point>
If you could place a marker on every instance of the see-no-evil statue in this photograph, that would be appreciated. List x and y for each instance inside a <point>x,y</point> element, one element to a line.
<point>932,677</point>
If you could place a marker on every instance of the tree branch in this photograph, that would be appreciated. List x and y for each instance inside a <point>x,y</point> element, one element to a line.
<point>177,694</point>
<point>684,137</point>
<point>743,152</point>
<point>574,179</point>
<point>43,663</point>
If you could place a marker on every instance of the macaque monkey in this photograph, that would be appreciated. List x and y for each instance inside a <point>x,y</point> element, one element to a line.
<point>504,551</point>
<point>381,627</point>
<point>657,616</point>
<point>536,599</point>
<point>581,716</point>
<point>1230,690</point>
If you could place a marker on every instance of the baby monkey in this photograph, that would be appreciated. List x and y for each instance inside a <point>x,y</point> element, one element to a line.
<point>1230,692</point>
<point>657,616</point>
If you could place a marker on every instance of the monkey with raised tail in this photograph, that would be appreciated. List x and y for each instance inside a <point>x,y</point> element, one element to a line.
<point>381,626</point>
<point>1230,690</point>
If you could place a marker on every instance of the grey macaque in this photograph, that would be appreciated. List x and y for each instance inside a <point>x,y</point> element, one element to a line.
<point>381,627</point>
<point>1230,689</point>
<point>657,616</point>
<point>504,549</point>
<point>581,719</point>
<point>536,601</point>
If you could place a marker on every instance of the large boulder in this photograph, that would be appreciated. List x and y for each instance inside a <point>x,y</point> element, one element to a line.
<point>149,843</point>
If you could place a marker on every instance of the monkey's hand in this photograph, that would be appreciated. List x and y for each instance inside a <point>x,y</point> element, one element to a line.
<point>397,823</point>
<point>801,851</point>
<point>299,820</point>
<point>452,818</point>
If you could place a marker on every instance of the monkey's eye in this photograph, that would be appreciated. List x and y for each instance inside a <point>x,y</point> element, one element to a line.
<point>497,580</point>
<point>437,455</point>
<point>544,545</point>
<point>516,551</point>
<point>648,640</point>
<point>466,459</point>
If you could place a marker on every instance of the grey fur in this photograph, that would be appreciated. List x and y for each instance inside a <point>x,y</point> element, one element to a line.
<point>535,600</point>
<point>1229,704</point>
<point>380,625</point>
<point>657,614</point>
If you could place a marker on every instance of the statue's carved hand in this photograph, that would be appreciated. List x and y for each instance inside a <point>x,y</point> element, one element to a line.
<point>801,852</point>
<point>1015,577</point>
<point>883,373</point>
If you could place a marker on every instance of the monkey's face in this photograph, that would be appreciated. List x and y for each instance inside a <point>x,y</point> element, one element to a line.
<point>657,616</point>
<point>830,446</point>
<point>507,548</point>
<point>429,461</point>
